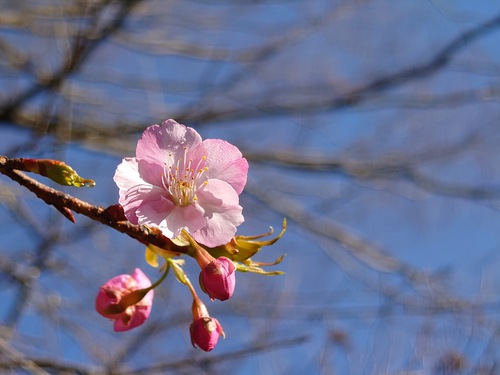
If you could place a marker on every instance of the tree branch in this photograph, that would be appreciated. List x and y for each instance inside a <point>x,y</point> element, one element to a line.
<point>111,216</point>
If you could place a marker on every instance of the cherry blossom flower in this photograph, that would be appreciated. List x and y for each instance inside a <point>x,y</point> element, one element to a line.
<point>126,300</point>
<point>177,181</point>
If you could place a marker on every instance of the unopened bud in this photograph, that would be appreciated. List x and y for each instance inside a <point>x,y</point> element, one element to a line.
<point>57,171</point>
<point>218,279</point>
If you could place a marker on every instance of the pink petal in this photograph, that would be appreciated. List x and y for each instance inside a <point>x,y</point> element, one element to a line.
<point>141,279</point>
<point>151,173</point>
<point>222,213</point>
<point>127,174</point>
<point>157,142</point>
<point>190,217</point>
<point>140,315</point>
<point>133,188</point>
<point>153,212</point>
<point>225,163</point>
<point>108,292</point>
<point>120,283</point>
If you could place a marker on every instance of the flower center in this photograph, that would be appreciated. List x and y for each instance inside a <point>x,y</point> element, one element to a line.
<point>182,179</point>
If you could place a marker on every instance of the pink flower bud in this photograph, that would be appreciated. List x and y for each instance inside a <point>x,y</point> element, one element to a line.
<point>205,333</point>
<point>217,279</point>
<point>126,300</point>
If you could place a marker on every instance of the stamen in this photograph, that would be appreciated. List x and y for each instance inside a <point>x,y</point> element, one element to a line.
<point>182,181</point>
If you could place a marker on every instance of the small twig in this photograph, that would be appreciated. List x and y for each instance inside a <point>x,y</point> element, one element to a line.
<point>111,216</point>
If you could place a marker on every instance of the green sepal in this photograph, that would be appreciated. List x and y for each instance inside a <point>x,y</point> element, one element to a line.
<point>242,248</point>
<point>127,300</point>
<point>178,271</point>
<point>254,269</point>
<point>250,262</point>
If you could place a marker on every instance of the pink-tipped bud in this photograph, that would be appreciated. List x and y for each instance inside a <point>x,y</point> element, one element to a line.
<point>218,279</point>
<point>205,333</point>
<point>124,300</point>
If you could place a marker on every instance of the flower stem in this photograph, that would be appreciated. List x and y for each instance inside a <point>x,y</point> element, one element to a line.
<point>201,255</point>
<point>167,268</point>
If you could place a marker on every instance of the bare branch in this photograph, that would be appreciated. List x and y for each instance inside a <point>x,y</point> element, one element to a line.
<point>111,216</point>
